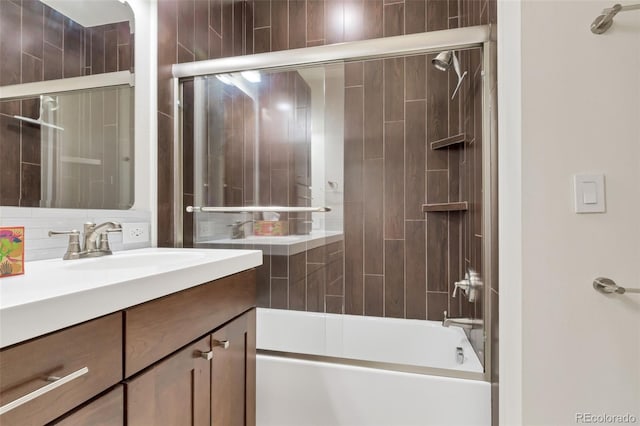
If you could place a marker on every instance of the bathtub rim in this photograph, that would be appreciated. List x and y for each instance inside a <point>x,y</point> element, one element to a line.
<point>388,366</point>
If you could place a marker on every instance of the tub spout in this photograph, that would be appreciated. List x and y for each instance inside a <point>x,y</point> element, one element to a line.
<point>466,323</point>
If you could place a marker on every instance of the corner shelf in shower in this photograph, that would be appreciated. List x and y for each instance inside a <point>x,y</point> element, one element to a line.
<point>459,206</point>
<point>450,141</point>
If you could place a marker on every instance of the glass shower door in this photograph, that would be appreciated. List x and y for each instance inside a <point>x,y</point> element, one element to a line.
<point>266,153</point>
<point>398,160</point>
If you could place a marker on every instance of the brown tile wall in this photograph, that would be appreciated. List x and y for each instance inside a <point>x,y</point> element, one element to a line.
<point>308,281</point>
<point>284,172</point>
<point>389,169</point>
<point>285,144</point>
<point>190,30</point>
<point>399,261</point>
<point>37,43</point>
<point>239,27</point>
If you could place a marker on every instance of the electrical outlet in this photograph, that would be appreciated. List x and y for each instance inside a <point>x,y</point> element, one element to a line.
<point>135,233</point>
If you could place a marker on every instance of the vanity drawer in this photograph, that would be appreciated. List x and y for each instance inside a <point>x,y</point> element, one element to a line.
<point>85,360</point>
<point>158,328</point>
<point>108,410</point>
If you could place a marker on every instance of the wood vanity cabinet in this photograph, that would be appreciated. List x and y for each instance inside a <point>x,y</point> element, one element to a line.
<point>205,383</point>
<point>174,391</point>
<point>184,359</point>
<point>233,372</point>
<point>190,356</point>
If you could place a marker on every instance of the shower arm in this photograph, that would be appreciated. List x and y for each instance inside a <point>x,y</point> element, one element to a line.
<point>40,120</point>
<point>456,67</point>
<point>604,21</point>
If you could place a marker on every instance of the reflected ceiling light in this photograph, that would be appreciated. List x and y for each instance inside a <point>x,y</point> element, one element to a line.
<point>283,106</point>
<point>225,79</point>
<point>251,76</point>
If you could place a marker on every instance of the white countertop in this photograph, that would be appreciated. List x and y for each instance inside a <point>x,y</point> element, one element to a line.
<point>53,294</point>
<point>286,245</point>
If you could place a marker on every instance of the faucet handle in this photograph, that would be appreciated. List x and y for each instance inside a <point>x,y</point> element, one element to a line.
<point>72,232</point>
<point>103,244</point>
<point>73,248</point>
<point>462,284</point>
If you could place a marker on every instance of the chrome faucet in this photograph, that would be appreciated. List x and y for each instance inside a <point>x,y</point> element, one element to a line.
<point>466,323</point>
<point>470,285</point>
<point>96,240</point>
<point>237,230</point>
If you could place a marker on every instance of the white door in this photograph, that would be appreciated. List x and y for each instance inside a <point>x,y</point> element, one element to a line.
<point>569,355</point>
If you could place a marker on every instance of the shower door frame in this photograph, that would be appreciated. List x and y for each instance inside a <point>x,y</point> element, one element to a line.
<point>481,36</point>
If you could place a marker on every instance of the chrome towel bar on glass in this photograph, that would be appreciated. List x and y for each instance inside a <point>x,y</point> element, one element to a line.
<point>258,209</point>
<point>608,286</point>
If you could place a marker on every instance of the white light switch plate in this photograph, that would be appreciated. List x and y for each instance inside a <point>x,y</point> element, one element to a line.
<point>589,193</point>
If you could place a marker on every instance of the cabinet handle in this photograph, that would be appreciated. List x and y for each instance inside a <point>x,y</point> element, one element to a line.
<point>206,355</point>
<point>56,382</point>
<point>224,344</point>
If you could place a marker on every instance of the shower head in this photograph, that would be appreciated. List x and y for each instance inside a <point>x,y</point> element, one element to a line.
<point>443,62</point>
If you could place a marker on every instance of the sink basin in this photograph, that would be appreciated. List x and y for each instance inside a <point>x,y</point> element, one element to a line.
<point>130,261</point>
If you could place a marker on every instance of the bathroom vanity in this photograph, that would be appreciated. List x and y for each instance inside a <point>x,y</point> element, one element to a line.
<point>179,357</point>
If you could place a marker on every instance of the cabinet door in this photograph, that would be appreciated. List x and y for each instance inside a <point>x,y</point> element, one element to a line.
<point>174,392</point>
<point>233,378</point>
<point>108,410</point>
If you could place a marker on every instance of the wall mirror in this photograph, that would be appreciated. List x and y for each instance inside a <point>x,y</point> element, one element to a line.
<point>67,104</point>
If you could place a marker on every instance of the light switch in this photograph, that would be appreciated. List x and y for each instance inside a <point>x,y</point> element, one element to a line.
<point>589,193</point>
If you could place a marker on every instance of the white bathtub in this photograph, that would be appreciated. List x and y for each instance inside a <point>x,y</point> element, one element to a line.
<point>301,392</point>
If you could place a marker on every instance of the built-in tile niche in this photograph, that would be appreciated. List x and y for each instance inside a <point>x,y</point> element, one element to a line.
<point>37,43</point>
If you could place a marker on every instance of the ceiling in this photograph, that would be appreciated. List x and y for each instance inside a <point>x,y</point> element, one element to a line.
<point>90,13</point>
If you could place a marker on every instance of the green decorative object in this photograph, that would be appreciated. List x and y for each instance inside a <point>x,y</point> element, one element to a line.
<point>11,251</point>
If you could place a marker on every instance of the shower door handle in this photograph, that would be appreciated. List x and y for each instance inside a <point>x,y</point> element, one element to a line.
<point>609,286</point>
